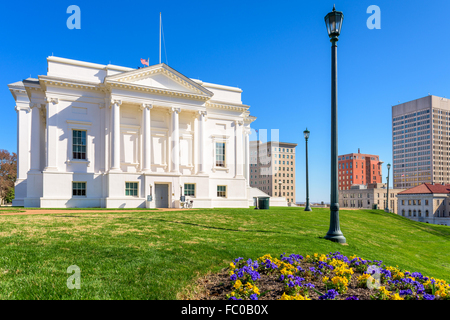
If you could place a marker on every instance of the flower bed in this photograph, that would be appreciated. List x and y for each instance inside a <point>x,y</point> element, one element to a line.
<point>321,277</point>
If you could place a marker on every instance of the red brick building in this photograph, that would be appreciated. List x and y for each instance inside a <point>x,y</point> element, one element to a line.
<point>358,168</point>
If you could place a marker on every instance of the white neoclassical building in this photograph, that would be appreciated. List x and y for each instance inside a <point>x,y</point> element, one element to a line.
<point>91,135</point>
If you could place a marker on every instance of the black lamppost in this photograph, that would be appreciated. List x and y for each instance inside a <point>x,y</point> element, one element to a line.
<point>333,21</point>
<point>307,207</point>
<point>387,201</point>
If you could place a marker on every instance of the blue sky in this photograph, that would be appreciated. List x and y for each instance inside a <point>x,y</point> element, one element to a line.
<point>278,52</point>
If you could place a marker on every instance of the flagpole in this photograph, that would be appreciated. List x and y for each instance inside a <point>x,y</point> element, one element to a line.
<point>160,37</point>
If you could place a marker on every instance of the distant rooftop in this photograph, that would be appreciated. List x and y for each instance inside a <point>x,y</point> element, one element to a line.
<point>289,144</point>
<point>428,188</point>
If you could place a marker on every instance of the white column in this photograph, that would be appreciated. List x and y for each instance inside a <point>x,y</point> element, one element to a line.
<point>23,142</point>
<point>175,140</point>
<point>239,163</point>
<point>146,137</point>
<point>35,161</point>
<point>115,135</point>
<point>201,141</point>
<point>247,155</point>
<point>52,127</point>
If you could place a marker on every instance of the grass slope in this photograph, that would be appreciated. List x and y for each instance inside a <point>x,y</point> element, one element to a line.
<point>156,255</point>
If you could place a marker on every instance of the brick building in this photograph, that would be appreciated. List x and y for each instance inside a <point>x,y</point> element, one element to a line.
<point>358,169</point>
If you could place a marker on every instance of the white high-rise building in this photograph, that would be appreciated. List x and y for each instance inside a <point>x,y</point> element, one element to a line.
<point>421,142</point>
<point>92,135</point>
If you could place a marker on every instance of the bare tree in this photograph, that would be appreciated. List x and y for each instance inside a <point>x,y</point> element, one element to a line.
<point>8,172</point>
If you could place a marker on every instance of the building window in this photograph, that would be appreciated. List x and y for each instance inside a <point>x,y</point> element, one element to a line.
<point>131,189</point>
<point>79,144</point>
<point>426,203</point>
<point>220,154</point>
<point>221,191</point>
<point>189,189</point>
<point>79,189</point>
<point>403,212</point>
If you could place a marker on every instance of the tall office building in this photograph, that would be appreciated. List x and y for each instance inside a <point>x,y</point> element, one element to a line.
<point>420,142</point>
<point>359,169</point>
<point>272,165</point>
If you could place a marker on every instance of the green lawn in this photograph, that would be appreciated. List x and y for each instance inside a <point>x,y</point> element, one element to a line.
<point>156,254</point>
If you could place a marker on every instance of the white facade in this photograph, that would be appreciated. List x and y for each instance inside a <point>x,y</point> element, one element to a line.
<point>93,135</point>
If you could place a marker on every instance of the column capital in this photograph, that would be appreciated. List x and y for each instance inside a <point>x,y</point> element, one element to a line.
<point>146,106</point>
<point>247,130</point>
<point>35,105</point>
<point>172,110</point>
<point>52,100</point>
<point>202,113</point>
<point>239,122</point>
<point>113,101</point>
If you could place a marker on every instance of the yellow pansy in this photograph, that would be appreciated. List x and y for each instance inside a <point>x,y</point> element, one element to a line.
<point>396,296</point>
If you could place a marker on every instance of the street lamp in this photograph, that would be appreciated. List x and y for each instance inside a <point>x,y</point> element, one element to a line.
<point>387,201</point>
<point>333,21</point>
<point>307,207</point>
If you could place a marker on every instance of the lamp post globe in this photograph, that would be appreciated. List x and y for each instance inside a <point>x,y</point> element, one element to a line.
<point>307,206</point>
<point>333,21</point>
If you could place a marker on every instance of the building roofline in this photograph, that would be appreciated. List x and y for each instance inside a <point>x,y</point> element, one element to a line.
<point>280,143</point>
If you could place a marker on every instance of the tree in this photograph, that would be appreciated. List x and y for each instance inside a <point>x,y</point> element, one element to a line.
<point>8,172</point>
<point>9,196</point>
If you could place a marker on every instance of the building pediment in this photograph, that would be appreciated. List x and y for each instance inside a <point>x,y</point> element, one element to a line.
<point>161,79</point>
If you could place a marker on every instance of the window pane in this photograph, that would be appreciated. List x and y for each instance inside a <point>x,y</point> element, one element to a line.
<point>131,188</point>
<point>78,188</point>
<point>79,144</point>
<point>220,154</point>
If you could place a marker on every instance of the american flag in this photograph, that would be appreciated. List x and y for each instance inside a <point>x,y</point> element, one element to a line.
<point>144,62</point>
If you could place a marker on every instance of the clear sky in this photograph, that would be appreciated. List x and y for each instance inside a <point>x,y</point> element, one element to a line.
<point>277,52</point>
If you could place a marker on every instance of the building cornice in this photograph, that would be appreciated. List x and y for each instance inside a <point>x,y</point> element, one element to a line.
<point>153,90</point>
<point>249,119</point>
<point>227,106</point>
<point>72,84</point>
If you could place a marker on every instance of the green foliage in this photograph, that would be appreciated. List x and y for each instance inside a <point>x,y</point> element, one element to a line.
<point>158,254</point>
<point>8,172</point>
<point>9,195</point>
